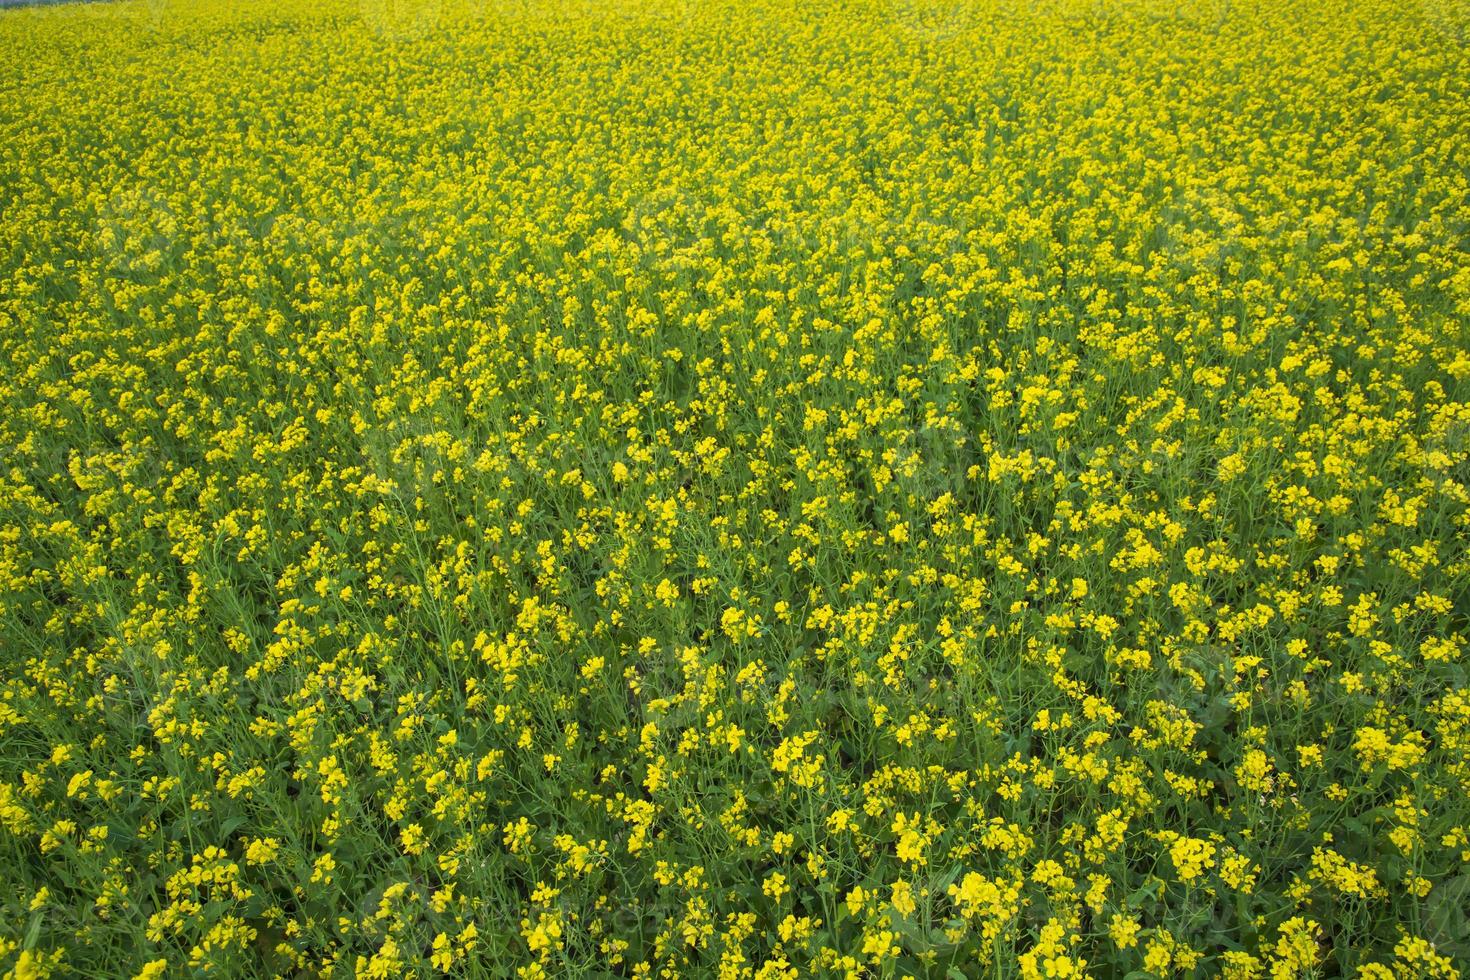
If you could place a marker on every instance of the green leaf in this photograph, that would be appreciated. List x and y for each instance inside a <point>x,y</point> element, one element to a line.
<point>233,824</point>
<point>1446,910</point>
<point>33,931</point>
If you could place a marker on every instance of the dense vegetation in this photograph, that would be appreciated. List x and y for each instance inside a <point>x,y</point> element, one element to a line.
<point>748,489</point>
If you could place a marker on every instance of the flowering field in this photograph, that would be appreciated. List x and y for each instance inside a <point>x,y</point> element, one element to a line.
<point>864,488</point>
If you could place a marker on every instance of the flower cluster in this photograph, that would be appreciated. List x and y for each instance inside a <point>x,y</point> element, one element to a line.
<point>695,488</point>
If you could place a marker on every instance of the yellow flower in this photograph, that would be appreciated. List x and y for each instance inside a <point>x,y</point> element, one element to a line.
<point>902,898</point>
<point>153,968</point>
<point>1124,931</point>
<point>262,850</point>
